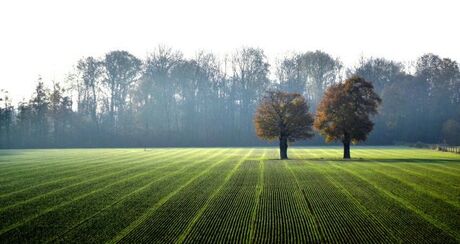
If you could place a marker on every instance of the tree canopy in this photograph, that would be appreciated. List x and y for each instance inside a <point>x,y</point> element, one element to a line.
<point>344,113</point>
<point>283,116</point>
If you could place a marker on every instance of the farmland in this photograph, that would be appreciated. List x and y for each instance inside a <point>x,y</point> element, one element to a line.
<point>190,195</point>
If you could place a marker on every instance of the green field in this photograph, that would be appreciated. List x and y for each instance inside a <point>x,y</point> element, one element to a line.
<point>383,195</point>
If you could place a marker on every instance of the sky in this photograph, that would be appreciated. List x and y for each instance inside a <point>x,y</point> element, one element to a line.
<point>46,38</point>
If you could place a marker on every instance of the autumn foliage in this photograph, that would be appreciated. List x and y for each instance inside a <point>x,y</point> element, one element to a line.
<point>345,110</point>
<point>283,116</point>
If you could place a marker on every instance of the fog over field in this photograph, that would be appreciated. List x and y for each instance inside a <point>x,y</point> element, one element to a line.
<point>229,121</point>
<point>181,73</point>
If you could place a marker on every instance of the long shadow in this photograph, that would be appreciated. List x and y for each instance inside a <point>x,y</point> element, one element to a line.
<point>383,160</point>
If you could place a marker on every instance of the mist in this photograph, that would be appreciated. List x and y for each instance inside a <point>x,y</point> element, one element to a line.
<point>167,99</point>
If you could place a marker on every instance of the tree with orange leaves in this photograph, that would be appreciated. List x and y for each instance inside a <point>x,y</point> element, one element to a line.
<point>345,110</point>
<point>283,116</point>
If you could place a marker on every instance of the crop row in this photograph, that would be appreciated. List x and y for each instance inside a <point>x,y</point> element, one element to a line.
<point>422,183</point>
<point>56,170</point>
<point>228,218</point>
<point>113,219</point>
<point>282,214</point>
<point>167,222</point>
<point>413,195</point>
<point>58,214</point>
<point>11,160</point>
<point>39,187</point>
<point>232,196</point>
<point>403,223</point>
<point>340,219</point>
<point>434,210</point>
<point>46,162</point>
<point>28,208</point>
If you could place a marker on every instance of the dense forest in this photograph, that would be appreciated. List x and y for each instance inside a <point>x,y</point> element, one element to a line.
<point>119,100</point>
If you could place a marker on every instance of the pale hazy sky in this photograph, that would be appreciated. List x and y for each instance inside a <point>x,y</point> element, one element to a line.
<point>47,37</point>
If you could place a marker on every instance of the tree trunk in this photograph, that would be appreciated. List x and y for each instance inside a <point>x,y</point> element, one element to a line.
<point>283,147</point>
<point>346,150</point>
<point>94,109</point>
<point>346,145</point>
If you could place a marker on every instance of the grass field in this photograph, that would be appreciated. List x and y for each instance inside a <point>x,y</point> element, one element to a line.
<point>384,195</point>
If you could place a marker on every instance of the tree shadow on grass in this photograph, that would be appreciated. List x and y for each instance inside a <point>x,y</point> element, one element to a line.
<point>381,160</point>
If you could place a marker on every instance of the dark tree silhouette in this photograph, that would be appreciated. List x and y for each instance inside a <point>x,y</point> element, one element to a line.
<point>451,132</point>
<point>283,116</point>
<point>122,71</point>
<point>344,113</point>
<point>90,71</point>
<point>168,99</point>
<point>6,118</point>
<point>309,74</point>
<point>250,80</point>
<point>380,72</point>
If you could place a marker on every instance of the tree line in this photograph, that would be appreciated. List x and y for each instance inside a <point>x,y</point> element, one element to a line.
<point>167,99</point>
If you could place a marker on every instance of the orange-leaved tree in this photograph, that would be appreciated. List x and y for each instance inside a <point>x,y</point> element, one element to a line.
<point>283,116</point>
<point>345,110</point>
